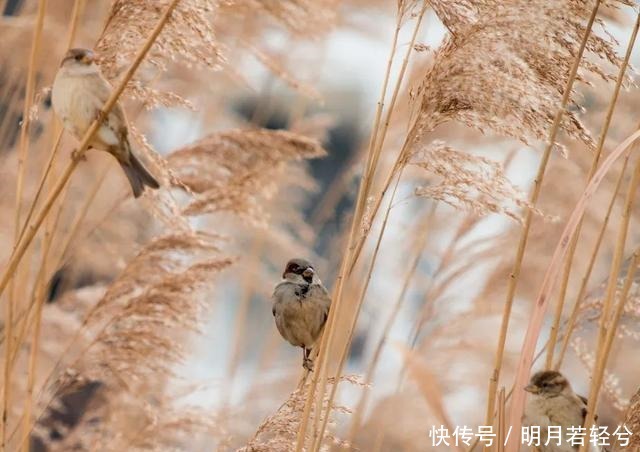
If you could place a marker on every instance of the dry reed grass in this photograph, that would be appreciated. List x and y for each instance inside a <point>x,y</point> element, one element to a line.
<point>106,300</point>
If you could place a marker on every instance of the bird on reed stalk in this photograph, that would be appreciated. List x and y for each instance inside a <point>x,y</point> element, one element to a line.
<point>553,403</point>
<point>78,95</point>
<point>300,307</point>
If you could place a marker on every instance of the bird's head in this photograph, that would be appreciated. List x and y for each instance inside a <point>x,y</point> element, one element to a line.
<point>299,271</point>
<point>547,383</point>
<point>76,58</point>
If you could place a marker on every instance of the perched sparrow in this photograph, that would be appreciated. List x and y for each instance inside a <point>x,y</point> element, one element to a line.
<point>300,307</point>
<point>79,93</point>
<point>553,402</point>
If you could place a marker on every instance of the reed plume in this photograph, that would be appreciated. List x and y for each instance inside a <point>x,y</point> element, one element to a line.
<point>147,325</point>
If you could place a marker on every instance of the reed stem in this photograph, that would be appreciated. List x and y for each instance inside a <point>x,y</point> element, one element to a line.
<point>612,283</point>
<point>594,165</point>
<point>23,151</point>
<point>419,246</point>
<point>524,236</point>
<point>594,253</point>
<point>347,257</point>
<point>18,253</point>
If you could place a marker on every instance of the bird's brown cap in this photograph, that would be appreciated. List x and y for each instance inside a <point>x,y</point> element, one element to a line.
<point>85,56</point>
<point>297,266</point>
<point>547,381</point>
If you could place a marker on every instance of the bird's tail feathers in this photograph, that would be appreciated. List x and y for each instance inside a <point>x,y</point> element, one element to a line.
<point>138,175</point>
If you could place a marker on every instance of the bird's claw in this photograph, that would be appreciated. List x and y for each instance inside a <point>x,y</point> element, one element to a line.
<point>308,364</point>
<point>78,156</point>
<point>100,117</point>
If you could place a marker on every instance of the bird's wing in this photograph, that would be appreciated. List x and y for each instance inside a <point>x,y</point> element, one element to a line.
<point>585,403</point>
<point>281,292</point>
<point>322,294</point>
<point>103,88</point>
<point>325,292</point>
<point>327,299</point>
<point>115,133</point>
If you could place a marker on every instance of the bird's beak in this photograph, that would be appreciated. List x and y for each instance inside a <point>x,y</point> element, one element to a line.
<point>533,389</point>
<point>88,58</point>
<point>308,273</point>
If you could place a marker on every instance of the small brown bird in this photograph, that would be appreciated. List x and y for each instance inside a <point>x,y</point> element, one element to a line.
<point>300,307</point>
<point>79,93</point>
<point>553,403</point>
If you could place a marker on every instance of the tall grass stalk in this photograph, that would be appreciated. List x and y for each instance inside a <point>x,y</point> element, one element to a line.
<point>39,296</point>
<point>43,178</point>
<point>18,253</point>
<point>22,163</point>
<point>23,326</point>
<point>345,349</point>
<point>420,244</point>
<point>594,165</point>
<point>522,244</point>
<point>604,327</point>
<point>592,259</point>
<point>610,334</point>
<point>76,13</point>
<point>56,259</point>
<point>23,148</point>
<point>536,318</point>
<point>347,259</point>
<point>23,244</point>
<point>67,240</point>
<point>356,252</point>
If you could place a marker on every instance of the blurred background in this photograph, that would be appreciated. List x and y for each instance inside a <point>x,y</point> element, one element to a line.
<point>314,68</point>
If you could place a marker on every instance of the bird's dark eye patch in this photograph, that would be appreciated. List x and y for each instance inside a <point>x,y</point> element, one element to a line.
<point>78,57</point>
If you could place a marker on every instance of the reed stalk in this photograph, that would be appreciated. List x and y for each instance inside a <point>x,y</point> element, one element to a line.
<point>39,296</point>
<point>378,144</point>
<point>345,349</point>
<point>536,317</point>
<point>356,247</point>
<point>68,171</point>
<point>23,149</point>
<point>594,165</point>
<point>611,329</point>
<point>39,190</point>
<point>354,228</point>
<point>604,328</point>
<point>522,243</point>
<point>592,258</point>
<point>377,352</point>
<point>31,231</point>
<point>76,13</point>
<point>57,254</point>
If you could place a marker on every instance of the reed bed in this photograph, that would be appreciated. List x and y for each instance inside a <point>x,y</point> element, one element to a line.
<point>473,217</point>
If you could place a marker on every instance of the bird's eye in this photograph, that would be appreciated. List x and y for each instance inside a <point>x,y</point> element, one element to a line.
<point>78,57</point>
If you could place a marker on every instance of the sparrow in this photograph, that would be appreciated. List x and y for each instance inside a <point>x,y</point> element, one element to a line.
<point>300,307</point>
<point>553,402</point>
<point>79,92</point>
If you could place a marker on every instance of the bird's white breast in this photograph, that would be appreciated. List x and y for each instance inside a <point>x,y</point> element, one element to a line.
<point>77,99</point>
<point>560,411</point>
